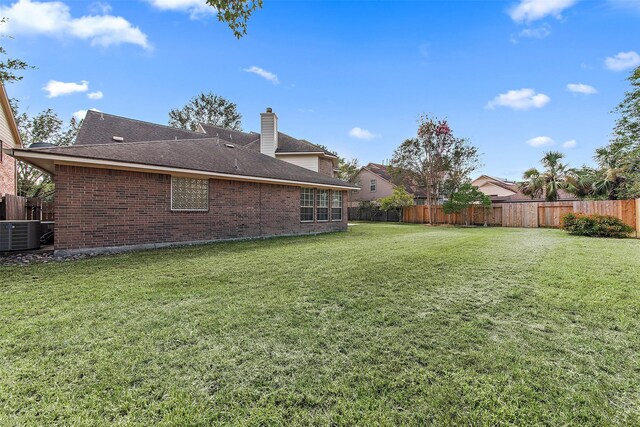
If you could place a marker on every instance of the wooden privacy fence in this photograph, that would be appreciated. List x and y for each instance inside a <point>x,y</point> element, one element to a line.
<point>20,208</point>
<point>528,214</point>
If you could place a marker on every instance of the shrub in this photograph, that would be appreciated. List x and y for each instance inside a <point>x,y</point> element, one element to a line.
<point>595,225</point>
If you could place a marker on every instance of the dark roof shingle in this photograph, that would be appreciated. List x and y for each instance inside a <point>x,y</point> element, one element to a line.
<point>204,155</point>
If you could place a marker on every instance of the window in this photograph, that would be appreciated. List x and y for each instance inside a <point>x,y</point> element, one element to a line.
<point>372,185</point>
<point>188,194</point>
<point>322,208</point>
<point>336,206</point>
<point>306,204</point>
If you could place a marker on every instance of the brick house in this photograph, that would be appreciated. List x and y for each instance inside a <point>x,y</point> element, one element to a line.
<point>128,184</point>
<point>9,139</point>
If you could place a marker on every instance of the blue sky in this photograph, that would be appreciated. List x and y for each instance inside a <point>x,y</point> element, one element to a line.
<point>352,75</point>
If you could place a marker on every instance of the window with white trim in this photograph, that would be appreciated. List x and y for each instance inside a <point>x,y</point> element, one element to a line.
<point>373,184</point>
<point>322,205</point>
<point>336,205</point>
<point>189,194</point>
<point>306,204</point>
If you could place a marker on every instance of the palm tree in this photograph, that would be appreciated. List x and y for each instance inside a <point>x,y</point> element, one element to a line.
<point>614,162</point>
<point>580,182</point>
<point>548,182</point>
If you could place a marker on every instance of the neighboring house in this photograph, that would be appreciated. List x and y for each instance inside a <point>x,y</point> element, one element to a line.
<point>128,184</point>
<point>504,191</point>
<point>9,139</point>
<point>376,182</point>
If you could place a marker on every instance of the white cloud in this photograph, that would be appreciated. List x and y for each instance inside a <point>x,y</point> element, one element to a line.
<point>570,144</point>
<point>54,19</point>
<point>581,88</point>
<point>100,8</point>
<point>539,33</point>
<point>536,33</point>
<point>79,115</point>
<point>263,73</point>
<point>623,61</point>
<point>95,95</point>
<point>533,10</point>
<point>541,141</point>
<point>521,99</point>
<point>195,8</point>
<point>362,133</point>
<point>56,88</point>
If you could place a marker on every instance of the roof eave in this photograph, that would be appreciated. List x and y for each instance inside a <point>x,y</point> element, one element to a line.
<point>31,156</point>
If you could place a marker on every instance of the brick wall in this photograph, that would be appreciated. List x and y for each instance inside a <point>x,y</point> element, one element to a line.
<point>7,173</point>
<point>325,167</point>
<point>103,208</point>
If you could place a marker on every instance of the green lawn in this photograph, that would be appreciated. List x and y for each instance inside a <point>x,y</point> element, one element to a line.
<point>385,324</point>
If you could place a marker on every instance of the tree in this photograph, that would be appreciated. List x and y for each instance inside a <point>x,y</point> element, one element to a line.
<point>627,128</point>
<point>581,182</point>
<point>43,127</point>
<point>617,164</point>
<point>398,200</point>
<point>435,160</point>
<point>548,182</point>
<point>348,168</point>
<point>206,108</point>
<point>466,196</point>
<point>10,66</point>
<point>235,13</point>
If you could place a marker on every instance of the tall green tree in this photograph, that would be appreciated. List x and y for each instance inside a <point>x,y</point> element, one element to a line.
<point>627,128</point>
<point>48,127</point>
<point>435,160</point>
<point>235,13</point>
<point>10,67</point>
<point>547,182</point>
<point>206,108</point>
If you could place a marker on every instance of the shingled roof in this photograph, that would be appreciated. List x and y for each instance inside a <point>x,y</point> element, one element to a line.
<point>208,155</point>
<point>101,128</point>
<point>286,143</point>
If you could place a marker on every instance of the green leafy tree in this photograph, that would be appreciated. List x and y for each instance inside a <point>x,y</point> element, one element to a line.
<point>348,168</point>
<point>206,108</point>
<point>398,200</point>
<point>10,66</point>
<point>627,128</point>
<point>43,127</point>
<point>435,160</point>
<point>618,175</point>
<point>235,13</point>
<point>548,182</point>
<point>461,200</point>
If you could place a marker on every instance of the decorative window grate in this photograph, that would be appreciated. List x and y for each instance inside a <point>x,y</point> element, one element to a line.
<point>336,205</point>
<point>306,204</point>
<point>322,208</point>
<point>188,194</point>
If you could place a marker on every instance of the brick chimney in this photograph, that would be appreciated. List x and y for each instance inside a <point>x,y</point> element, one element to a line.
<point>268,133</point>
